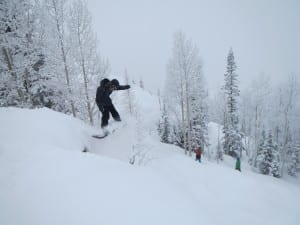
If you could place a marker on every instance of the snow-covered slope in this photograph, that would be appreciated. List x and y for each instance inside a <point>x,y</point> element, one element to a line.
<point>46,179</point>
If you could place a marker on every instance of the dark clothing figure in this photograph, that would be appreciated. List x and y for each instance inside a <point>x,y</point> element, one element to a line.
<point>198,154</point>
<point>104,102</point>
<point>105,115</point>
<point>238,164</point>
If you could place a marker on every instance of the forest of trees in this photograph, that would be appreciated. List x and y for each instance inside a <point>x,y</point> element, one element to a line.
<point>184,108</point>
<point>244,116</point>
<point>49,58</point>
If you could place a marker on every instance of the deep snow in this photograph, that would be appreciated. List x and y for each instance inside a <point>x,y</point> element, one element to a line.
<point>46,179</point>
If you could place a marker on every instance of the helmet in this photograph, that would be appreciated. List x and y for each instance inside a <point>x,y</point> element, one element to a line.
<point>103,82</point>
<point>115,82</point>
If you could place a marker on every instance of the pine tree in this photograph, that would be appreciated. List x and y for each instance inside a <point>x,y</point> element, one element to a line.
<point>275,167</point>
<point>268,156</point>
<point>164,126</point>
<point>232,143</point>
<point>262,154</point>
<point>261,144</point>
<point>199,114</point>
<point>265,165</point>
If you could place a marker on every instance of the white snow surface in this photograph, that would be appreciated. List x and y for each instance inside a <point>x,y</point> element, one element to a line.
<point>46,179</point>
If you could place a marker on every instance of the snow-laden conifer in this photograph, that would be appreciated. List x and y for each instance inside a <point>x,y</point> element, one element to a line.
<point>232,143</point>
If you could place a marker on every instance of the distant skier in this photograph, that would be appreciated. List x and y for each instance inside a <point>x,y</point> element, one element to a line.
<point>104,102</point>
<point>198,154</point>
<point>238,164</point>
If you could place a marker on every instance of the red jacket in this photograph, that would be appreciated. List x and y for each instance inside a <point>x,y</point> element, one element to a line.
<point>198,152</point>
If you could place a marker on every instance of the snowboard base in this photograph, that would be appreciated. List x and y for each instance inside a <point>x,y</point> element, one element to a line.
<point>99,136</point>
<point>107,131</point>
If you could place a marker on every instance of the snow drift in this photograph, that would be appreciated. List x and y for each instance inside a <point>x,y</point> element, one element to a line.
<point>45,178</point>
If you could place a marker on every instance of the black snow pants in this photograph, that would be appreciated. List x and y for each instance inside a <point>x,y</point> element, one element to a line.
<point>105,114</point>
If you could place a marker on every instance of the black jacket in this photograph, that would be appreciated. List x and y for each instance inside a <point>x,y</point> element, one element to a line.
<point>104,91</point>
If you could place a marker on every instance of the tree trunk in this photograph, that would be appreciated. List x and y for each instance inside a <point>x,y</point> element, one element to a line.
<point>286,137</point>
<point>256,133</point>
<point>27,83</point>
<point>85,79</point>
<point>188,118</point>
<point>87,94</point>
<point>68,79</point>
<point>9,63</point>
<point>62,47</point>
<point>183,119</point>
<point>286,122</point>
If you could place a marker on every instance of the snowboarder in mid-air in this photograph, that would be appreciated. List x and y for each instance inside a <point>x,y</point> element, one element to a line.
<point>104,102</point>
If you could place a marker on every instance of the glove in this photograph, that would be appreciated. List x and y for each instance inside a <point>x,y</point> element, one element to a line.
<point>113,87</point>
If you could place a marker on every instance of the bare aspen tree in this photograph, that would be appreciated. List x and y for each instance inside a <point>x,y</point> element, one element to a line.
<point>182,67</point>
<point>290,93</point>
<point>85,48</point>
<point>260,91</point>
<point>57,11</point>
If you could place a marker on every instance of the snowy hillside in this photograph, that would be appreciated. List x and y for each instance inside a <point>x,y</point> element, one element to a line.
<point>45,178</point>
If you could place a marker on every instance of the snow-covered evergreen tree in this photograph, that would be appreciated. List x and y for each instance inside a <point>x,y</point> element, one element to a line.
<point>199,108</point>
<point>261,148</point>
<point>268,160</point>
<point>264,156</point>
<point>275,166</point>
<point>232,143</point>
<point>164,128</point>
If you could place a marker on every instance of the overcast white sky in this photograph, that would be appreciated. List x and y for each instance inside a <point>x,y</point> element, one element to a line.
<point>138,35</point>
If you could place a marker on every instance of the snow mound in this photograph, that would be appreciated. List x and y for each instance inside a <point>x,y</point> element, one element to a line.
<point>38,128</point>
<point>45,178</point>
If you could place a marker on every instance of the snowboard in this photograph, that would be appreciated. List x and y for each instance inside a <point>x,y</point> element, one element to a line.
<point>108,130</point>
<point>100,136</point>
